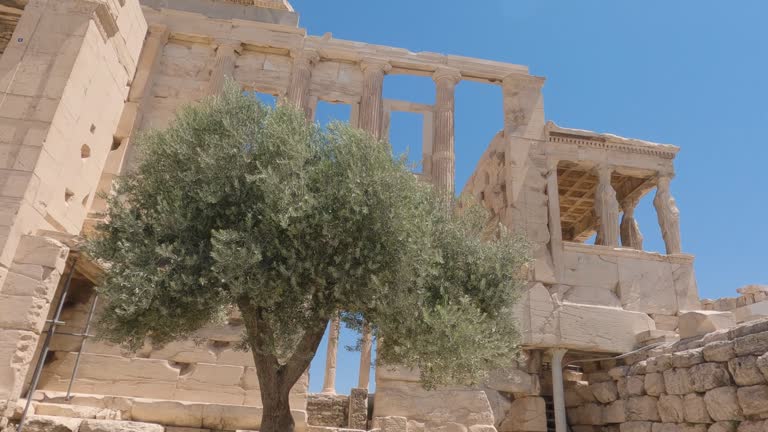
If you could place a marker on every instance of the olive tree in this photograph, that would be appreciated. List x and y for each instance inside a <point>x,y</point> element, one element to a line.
<point>238,205</point>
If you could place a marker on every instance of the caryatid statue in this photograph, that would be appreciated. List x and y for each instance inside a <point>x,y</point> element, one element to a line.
<point>669,216</point>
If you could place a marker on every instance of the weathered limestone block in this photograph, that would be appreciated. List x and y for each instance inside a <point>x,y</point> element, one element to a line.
<point>753,400</point>
<point>211,383</point>
<point>636,426</point>
<point>617,372</point>
<point>639,368</point>
<point>641,408</point>
<point>745,371</point>
<point>756,343</point>
<point>752,426</point>
<point>707,376</point>
<point>184,352</point>
<point>118,426</point>
<point>572,398</point>
<point>589,414</point>
<point>636,385</point>
<point>723,426</point>
<point>695,410</point>
<point>615,412</point>
<point>748,328</point>
<point>665,322</point>
<point>762,364</point>
<point>17,349</point>
<point>358,409</point>
<point>699,323</point>
<point>687,358</point>
<point>526,414</point>
<point>654,384</point>
<point>599,377</point>
<point>605,391</point>
<point>42,251</point>
<point>592,295</point>
<point>475,428</point>
<point>410,400</point>
<point>514,381</point>
<point>392,424</point>
<point>665,427</point>
<point>688,427</point>
<point>76,411</point>
<point>722,404</point>
<point>720,351</point>
<point>40,423</point>
<point>663,362</point>
<point>22,312</point>
<point>584,390</point>
<point>621,386</point>
<point>328,410</point>
<point>182,414</point>
<point>678,381</point>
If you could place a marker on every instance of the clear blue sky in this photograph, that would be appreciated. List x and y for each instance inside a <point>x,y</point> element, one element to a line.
<point>693,73</point>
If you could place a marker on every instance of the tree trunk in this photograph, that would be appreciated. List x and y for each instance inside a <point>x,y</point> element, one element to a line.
<point>275,379</point>
<point>276,416</point>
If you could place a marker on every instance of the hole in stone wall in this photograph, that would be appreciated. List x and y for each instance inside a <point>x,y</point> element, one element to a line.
<point>328,112</point>
<point>116,143</point>
<point>93,128</point>
<point>68,195</point>
<point>406,134</point>
<point>475,128</point>
<point>85,151</point>
<point>84,202</point>
<point>184,368</point>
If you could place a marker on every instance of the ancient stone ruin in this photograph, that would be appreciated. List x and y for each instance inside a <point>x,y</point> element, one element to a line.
<point>613,336</point>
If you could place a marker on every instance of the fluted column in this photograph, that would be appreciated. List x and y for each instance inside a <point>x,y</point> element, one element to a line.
<point>606,209</point>
<point>443,152</point>
<point>372,101</point>
<point>224,66</point>
<point>365,358</point>
<point>669,216</point>
<point>558,392</point>
<point>555,227</point>
<point>629,230</point>
<point>301,77</point>
<point>329,382</point>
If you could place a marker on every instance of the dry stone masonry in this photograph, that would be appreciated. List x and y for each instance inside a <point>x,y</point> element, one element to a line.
<point>80,78</point>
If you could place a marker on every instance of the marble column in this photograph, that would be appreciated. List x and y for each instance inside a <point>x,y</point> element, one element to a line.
<point>443,152</point>
<point>558,394</point>
<point>668,214</point>
<point>297,94</point>
<point>329,383</point>
<point>224,66</point>
<point>606,208</point>
<point>629,230</point>
<point>372,102</point>
<point>365,358</point>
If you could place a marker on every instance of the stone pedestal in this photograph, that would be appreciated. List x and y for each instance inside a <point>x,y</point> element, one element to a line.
<point>358,409</point>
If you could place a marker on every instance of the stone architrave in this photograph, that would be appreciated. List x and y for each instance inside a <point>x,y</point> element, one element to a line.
<point>224,66</point>
<point>372,102</point>
<point>606,208</point>
<point>668,215</point>
<point>443,153</point>
<point>631,237</point>
<point>297,94</point>
<point>329,382</point>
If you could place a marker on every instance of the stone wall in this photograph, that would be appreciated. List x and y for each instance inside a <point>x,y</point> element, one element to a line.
<point>328,410</point>
<point>712,383</point>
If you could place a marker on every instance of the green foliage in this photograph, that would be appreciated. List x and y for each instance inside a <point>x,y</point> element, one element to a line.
<point>239,204</point>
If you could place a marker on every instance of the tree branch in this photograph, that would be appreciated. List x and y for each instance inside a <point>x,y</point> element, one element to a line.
<point>305,351</point>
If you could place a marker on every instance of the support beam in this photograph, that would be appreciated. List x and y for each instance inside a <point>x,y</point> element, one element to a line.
<point>224,66</point>
<point>558,394</point>
<point>372,101</point>
<point>365,359</point>
<point>329,382</point>
<point>301,77</point>
<point>669,216</point>
<point>443,150</point>
<point>606,208</point>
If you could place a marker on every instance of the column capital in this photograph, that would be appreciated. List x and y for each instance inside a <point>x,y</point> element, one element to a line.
<point>374,64</point>
<point>305,56</point>
<point>228,47</point>
<point>558,353</point>
<point>447,75</point>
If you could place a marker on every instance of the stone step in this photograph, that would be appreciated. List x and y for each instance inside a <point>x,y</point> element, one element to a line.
<point>76,411</point>
<point>44,423</point>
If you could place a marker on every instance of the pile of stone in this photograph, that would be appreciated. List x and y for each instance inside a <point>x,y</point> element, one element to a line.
<point>717,382</point>
<point>751,303</point>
